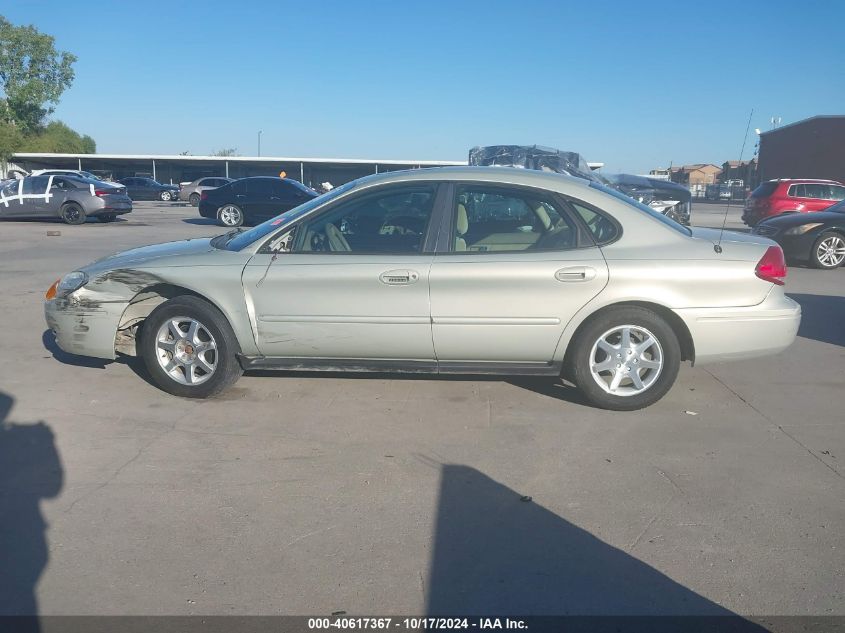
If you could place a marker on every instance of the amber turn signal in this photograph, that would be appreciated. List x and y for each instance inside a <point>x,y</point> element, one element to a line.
<point>51,292</point>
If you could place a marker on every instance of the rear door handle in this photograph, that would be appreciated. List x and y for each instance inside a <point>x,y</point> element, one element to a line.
<point>399,277</point>
<point>575,273</point>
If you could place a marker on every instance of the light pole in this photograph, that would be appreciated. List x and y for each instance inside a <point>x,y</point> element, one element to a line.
<point>259,142</point>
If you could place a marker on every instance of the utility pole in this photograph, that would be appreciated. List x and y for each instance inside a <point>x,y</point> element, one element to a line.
<point>259,142</point>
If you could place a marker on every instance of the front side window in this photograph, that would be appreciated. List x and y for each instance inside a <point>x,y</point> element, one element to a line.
<point>392,221</point>
<point>835,192</point>
<point>493,219</point>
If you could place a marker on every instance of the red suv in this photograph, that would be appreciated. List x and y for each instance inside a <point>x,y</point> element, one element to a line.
<point>791,195</point>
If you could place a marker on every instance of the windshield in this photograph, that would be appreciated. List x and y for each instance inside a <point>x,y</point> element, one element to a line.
<point>235,241</point>
<point>641,207</point>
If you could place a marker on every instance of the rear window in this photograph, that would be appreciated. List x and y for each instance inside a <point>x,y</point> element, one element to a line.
<point>643,208</point>
<point>764,190</point>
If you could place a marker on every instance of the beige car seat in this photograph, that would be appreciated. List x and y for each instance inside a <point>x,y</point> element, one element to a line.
<point>461,227</point>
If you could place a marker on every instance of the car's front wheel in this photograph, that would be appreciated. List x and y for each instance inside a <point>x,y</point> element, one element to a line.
<point>165,196</point>
<point>230,215</point>
<point>194,199</point>
<point>189,348</point>
<point>625,358</point>
<point>828,251</point>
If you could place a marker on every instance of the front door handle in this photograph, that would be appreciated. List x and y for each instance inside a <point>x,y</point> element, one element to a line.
<point>399,277</point>
<point>576,273</point>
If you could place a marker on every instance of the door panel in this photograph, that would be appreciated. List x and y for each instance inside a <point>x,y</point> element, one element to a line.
<point>355,285</point>
<point>518,269</point>
<point>338,306</point>
<point>509,306</point>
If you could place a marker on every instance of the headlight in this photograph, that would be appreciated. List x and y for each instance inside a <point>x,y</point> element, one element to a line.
<point>70,282</point>
<point>800,230</point>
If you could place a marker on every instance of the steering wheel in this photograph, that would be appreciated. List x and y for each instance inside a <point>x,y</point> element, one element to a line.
<point>336,240</point>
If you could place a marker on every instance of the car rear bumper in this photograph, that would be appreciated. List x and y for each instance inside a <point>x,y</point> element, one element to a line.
<point>84,328</point>
<point>722,334</point>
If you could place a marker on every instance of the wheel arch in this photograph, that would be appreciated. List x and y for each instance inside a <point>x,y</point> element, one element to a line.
<point>141,306</point>
<point>677,324</point>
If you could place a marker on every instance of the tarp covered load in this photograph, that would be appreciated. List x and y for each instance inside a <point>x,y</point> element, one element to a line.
<point>532,157</point>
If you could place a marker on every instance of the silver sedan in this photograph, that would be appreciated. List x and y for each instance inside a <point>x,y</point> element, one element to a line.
<point>466,270</point>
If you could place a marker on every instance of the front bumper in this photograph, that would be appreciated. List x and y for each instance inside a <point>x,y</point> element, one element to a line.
<point>84,326</point>
<point>722,334</point>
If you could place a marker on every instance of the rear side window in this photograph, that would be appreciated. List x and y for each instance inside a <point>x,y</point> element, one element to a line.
<point>835,192</point>
<point>35,185</point>
<point>642,208</point>
<point>601,228</point>
<point>765,190</point>
<point>796,191</point>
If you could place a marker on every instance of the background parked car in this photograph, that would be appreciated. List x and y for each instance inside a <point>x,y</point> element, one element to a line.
<point>191,192</point>
<point>817,238</point>
<point>64,172</point>
<point>70,198</point>
<point>148,189</point>
<point>251,200</point>
<point>794,194</point>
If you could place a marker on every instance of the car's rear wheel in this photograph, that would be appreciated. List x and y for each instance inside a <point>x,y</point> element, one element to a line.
<point>828,251</point>
<point>189,348</point>
<point>73,213</point>
<point>625,358</point>
<point>230,215</point>
<point>165,196</point>
<point>194,199</point>
<point>107,217</point>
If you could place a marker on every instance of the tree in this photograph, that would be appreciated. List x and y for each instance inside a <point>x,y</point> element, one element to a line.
<point>231,151</point>
<point>33,75</point>
<point>58,137</point>
<point>10,140</point>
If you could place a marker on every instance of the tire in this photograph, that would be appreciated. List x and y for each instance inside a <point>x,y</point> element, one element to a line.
<point>180,364</point>
<point>73,213</point>
<point>663,357</point>
<point>107,217</point>
<point>828,251</point>
<point>230,215</point>
<point>194,199</point>
<point>165,196</point>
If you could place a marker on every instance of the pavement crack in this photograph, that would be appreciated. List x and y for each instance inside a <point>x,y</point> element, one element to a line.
<point>777,426</point>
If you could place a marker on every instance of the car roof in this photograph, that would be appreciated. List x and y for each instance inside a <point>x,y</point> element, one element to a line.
<point>808,180</point>
<point>511,175</point>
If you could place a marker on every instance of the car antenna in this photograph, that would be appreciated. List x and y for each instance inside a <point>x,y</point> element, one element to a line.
<point>718,245</point>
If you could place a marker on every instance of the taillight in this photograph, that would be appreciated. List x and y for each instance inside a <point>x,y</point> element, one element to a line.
<point>203,195</point>
<point>772,266</point>
<point>103,192</point>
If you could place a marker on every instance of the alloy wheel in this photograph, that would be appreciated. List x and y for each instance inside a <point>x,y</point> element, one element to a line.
<point>626,360</point>
<point>831,251</point>
<point>230,215</point>
<point>186,350</point>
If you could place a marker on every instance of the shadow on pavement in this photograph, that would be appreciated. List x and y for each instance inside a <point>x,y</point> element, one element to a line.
<point>49,343</point>
<point>200,221</point>
<point>498,553</point>
<point>822,318</point>
<point>30,470</point>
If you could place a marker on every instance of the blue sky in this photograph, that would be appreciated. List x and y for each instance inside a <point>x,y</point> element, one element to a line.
<point>635,85</point>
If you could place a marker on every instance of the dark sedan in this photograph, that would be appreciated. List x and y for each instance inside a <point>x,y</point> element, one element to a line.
<point>253,200</point>
<point>148,189</point>
<point>817,238</point>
